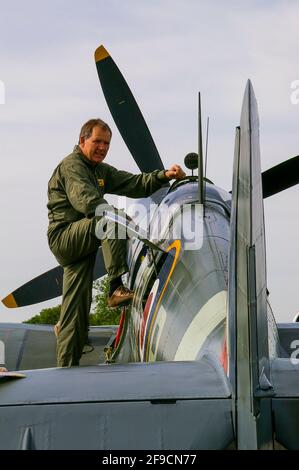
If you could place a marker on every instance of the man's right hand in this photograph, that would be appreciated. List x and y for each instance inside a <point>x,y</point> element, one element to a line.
<point>175,172</point>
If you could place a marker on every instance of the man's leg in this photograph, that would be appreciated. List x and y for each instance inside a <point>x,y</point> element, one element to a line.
<point>75,248</point>
<point>115,257</point>
<point>77,296</point>
<point>75,241</point>
<point>115,254</point>
<point>78,240</point>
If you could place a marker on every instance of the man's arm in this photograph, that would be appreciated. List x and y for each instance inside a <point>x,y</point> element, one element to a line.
<point>127,184</point>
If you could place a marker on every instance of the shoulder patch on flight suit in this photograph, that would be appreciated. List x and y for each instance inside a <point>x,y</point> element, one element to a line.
<point>101,182</point>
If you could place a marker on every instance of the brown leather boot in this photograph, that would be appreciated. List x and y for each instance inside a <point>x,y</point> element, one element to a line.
<point>121,296</point>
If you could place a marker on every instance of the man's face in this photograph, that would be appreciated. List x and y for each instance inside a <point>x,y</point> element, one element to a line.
<point>96,146</point>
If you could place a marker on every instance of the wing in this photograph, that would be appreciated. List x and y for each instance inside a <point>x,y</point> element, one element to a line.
<point>28,346</point>
<point>163,405</point>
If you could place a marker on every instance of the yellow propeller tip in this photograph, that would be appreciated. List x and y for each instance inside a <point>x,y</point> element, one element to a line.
<point>9,301</point>
<point>101,53</point>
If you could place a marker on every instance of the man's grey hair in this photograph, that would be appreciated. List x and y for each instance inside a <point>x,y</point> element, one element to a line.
<point>87,128</point>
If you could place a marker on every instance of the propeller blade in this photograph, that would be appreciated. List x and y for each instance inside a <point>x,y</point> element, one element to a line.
<point>280,177</point>
<point>126,113</point>
<point>46,286</point>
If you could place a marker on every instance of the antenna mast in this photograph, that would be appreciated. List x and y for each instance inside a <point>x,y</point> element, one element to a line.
<point>207,141</point>
<point>206,156</point>
<point>200,155</point>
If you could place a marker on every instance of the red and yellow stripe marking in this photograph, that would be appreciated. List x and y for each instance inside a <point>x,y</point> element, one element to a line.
<point>177,246</point>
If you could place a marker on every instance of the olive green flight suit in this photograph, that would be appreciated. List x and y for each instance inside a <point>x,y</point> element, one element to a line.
<point>75,190</point>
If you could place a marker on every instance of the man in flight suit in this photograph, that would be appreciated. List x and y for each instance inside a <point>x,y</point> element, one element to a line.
<point>76,188</point>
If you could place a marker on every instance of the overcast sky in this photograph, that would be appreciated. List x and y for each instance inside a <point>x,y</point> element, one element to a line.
<point>168,50</point>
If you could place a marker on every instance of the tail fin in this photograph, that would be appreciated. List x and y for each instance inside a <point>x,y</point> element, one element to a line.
<point>247,310</point>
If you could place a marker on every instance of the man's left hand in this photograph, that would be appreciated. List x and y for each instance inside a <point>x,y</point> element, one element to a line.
<point>175,172</point>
